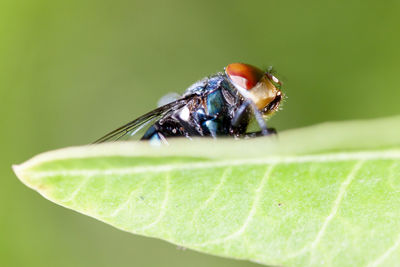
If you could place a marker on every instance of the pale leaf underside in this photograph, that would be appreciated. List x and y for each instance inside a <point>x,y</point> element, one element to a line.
<point>256,200</point>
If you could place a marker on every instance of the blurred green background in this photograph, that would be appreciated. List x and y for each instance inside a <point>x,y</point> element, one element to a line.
<point>70,71</point>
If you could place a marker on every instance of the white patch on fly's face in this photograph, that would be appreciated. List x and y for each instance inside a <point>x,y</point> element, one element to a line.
<point>184,114</point>
<point>275,79</point>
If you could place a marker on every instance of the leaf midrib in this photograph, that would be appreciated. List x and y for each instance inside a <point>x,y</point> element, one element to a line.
<point>330,157</point>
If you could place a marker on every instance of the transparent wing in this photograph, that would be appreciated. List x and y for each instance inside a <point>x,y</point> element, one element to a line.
<point>130,129</point>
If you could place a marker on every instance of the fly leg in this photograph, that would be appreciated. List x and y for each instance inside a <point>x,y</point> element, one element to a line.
<point>271,131</point>
<point>242,112</point>
<point>155,136</point>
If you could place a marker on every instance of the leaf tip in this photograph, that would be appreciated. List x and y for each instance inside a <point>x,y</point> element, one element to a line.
<point>23,175</point>
<point>18,171</point>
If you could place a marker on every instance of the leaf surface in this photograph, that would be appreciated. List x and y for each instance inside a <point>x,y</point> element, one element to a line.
<point>323,195</point>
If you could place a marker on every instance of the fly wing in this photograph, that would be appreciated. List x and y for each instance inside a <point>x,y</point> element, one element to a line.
<point>132,128</point>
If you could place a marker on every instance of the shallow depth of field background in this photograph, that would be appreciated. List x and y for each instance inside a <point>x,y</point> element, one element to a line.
<point>70,71</point>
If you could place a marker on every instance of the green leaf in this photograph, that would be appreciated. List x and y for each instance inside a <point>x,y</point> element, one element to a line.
<point>322,195</point>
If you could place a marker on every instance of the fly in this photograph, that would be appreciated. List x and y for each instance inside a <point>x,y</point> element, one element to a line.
<point>223,104</point>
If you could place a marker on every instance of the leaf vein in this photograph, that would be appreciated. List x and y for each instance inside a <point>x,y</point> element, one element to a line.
<point>342,190</point>
<point>163,207</point>
<point>128,200</point>
<point>336,204</point>
<point>333,157</point>
<point>242,229</point>
<point>386,254</point>
<point>212,196</point>
<point>77,190</point>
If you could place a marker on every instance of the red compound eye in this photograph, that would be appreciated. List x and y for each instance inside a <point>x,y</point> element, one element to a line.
<point>244,75</point>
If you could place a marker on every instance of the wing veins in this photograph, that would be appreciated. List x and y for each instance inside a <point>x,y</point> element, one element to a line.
<point>142,120</point>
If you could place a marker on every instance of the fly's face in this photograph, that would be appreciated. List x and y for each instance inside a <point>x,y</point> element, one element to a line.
<point>261,87</point>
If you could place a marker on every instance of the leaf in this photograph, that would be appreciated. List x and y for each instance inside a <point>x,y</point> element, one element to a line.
<point>322,195</point>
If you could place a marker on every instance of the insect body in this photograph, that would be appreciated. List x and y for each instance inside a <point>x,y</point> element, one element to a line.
<point>223,104</point>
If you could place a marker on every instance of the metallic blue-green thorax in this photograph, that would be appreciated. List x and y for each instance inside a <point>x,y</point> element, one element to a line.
<point>209,111</point>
